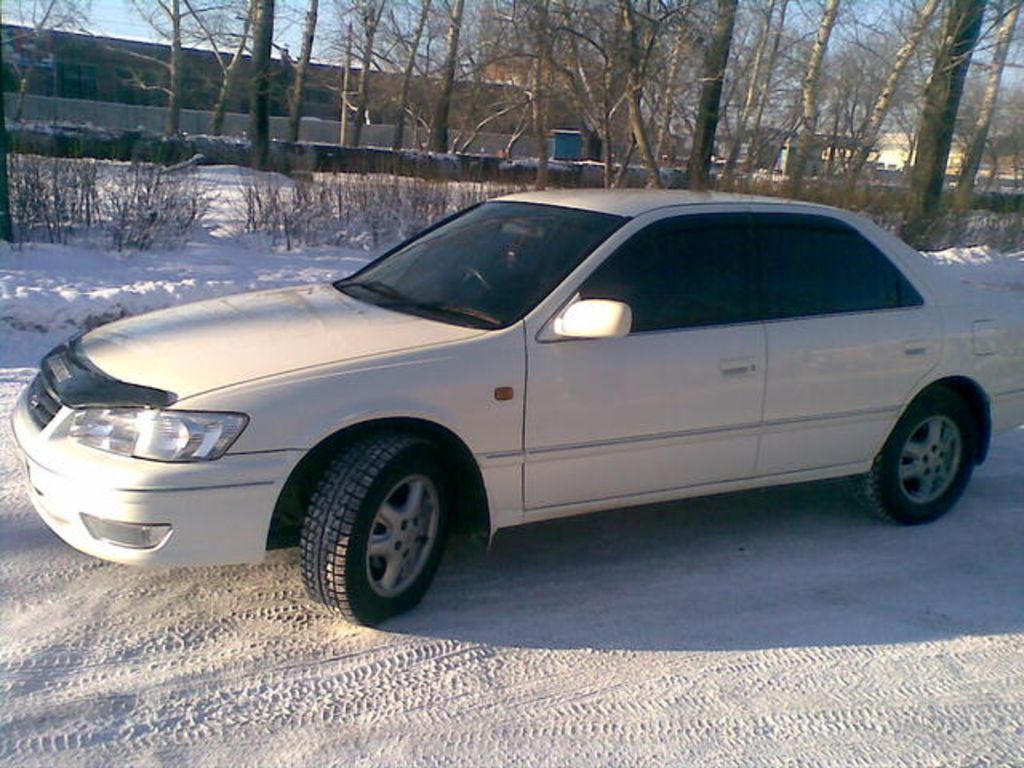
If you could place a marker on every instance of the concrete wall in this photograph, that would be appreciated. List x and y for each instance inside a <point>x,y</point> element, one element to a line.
<point>131,117</point>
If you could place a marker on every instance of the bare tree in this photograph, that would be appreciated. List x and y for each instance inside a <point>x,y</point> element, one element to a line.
<point>638,44</point>
<point>213,26</point>
<point>370,12</point>
<point>753,87</point>
<point>592,69</point>
<point>938,115</point>
<point>410,67</point>
<point>262,40</point>
<point>165,18</point>
<point>872,126</point>
<point>755,144</point>
<point>715,61</point>
<point>6,232</point>
<point>443,106</point>
<point>299,83</point>
<point>230,70</point>
<point>809,121</point>
<point>979,136</point>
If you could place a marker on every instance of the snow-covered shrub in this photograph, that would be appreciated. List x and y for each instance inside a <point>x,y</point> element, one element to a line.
<point>137,205</point>
<point>144,205</point>
<point>52,198</point>
<point>369,210</point>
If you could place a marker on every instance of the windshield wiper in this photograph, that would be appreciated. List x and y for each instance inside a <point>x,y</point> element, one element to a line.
<point>374,286</point>
<point>476,316</point>
<point>395,298</point>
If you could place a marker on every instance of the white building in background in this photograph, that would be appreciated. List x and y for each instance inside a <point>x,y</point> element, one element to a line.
<point>895,152</point>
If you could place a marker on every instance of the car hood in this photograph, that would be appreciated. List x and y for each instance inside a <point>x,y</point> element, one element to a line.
<point>211,344</point>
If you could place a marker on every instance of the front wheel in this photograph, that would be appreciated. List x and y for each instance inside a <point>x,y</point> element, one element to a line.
<point>927,461</point>
<point>375,528</point>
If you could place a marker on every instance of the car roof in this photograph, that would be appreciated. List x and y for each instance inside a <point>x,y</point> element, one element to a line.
<point>633,202</point>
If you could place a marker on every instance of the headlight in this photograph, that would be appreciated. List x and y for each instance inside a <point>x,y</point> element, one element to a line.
<point>158,435</point>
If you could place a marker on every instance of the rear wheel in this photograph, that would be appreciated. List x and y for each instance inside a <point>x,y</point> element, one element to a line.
<point>375,528</point>
<point>927,461</point>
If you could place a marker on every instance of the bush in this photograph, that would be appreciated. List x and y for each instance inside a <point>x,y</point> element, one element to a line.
<point>363,210</point>
<point>137,206</point>
<point>146,205</point>
<point>50,198</point>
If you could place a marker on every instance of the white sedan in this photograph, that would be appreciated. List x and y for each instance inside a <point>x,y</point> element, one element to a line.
<point>536,356</point>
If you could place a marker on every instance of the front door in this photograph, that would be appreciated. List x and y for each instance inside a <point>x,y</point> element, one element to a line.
<point>676,403</point>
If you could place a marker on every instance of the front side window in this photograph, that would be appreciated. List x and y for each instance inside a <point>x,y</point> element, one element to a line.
<point>486,267</point>
<point>683,273</point>
<point>818,266</point>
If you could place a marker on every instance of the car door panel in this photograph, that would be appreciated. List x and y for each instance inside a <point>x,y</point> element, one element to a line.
<point>859,340</point>
<point>650,412</point>
<point>835,385</point>
<point>674,404</point>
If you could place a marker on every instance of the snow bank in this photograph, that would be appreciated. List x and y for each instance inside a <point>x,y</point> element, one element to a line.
<point>981,265</point>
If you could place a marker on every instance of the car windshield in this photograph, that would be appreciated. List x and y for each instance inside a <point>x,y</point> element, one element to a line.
<point>486,267</point>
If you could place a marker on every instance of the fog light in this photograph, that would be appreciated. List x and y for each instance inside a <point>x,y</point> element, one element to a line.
<point>132,535</point>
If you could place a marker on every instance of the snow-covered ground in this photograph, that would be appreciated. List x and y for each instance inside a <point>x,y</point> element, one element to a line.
<point>779,627</point>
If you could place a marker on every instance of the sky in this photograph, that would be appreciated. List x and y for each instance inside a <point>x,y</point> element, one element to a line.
<point>118,18</point>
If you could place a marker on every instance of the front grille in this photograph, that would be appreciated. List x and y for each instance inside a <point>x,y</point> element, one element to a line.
<point>42,402</point>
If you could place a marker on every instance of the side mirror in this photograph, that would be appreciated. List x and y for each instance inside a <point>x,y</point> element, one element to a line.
<point>594,319</point>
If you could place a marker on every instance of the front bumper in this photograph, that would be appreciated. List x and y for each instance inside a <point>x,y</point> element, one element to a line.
<point>218,512</point>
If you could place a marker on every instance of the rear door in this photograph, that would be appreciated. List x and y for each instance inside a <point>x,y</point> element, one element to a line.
<point>848,338</point>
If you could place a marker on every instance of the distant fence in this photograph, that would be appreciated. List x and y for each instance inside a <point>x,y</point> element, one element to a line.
<point>146,146</point>
<point>134,117</point>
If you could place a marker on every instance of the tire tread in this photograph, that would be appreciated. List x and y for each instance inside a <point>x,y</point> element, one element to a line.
<point>332,514</point>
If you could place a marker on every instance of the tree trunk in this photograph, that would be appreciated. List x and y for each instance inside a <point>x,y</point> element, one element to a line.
<point>371,18</point>
<point>174,71</point>
<point>753,85</point>
<point>715,61</point>
<point>227,83</point>
<point>621,176</point>
<point>635,78</point>
<point>608,160</point>
<point>6,232</point>
<point>262,38</point>
<point>398,140</point>
<point>668,92</point>
<point>22,91</point>
<point>938,115</point>
<point>809,121</point>
<point>346,76</point>
<point>539,102</point>
<point>976,147</point>
<point>439,127</point>
<point>872,127</point>
<point>295,97</point>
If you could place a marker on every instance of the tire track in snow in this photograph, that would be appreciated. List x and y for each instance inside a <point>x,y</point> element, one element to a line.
<point>105,665</point>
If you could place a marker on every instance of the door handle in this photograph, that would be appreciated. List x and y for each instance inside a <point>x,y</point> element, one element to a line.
<point>735,366</point>
<point>915,348</point>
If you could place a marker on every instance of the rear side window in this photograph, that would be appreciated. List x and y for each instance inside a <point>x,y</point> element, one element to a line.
<point>818,266</point>
<point>682,274</point>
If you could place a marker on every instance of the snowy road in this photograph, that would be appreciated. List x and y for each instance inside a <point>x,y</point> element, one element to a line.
<point>768,628</point>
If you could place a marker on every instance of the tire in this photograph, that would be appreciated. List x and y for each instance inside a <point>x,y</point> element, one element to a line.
<point>375,528</point>
<point>926,463</point>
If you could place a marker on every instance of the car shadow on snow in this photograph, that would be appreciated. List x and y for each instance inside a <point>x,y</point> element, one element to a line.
<point>783,567</point>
